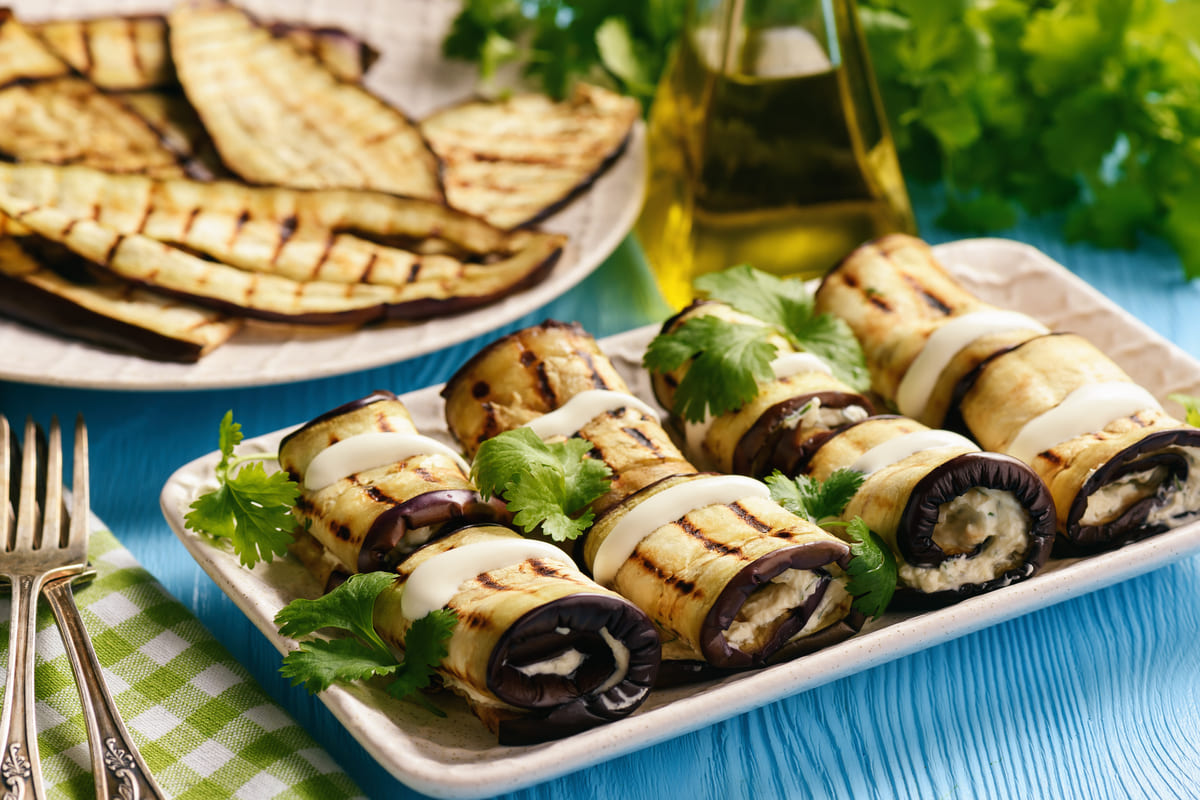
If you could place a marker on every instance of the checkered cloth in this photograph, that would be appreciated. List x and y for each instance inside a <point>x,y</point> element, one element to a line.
<point>204,727</point>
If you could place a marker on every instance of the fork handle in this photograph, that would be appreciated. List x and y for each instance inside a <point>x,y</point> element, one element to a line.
<point>20,768</point>
<point>117,767</point>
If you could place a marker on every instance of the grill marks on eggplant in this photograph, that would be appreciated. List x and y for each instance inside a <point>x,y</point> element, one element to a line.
<point>255,253</point>
<point>338,134</point>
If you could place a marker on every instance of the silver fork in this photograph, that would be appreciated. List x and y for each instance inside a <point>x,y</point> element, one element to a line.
<point>117,768</point>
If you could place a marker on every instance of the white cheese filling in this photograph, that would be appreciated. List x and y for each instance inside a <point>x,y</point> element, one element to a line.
<point>435,581</point>
<point>901,447</point>
<point>916,387</point>
<point>562,664</point>
<point>767,605</point>
<point>1090,408</point>
<point>990,518</point>
<point>667,506</point>
<point>1178,501</point>
<point>366,451</point>
<point>581,409</point>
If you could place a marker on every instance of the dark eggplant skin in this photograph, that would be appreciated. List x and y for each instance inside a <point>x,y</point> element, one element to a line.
<point>449,509</point>
<point>49,312</point>
<point>344,408</point>
<point>713,644</point>
<point>947,481</point>
<point>767,446</point>
<point>1081,540</point>
<point>563,706</point>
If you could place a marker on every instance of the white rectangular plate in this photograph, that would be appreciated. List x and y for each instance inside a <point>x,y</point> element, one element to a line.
<point>458,757</point>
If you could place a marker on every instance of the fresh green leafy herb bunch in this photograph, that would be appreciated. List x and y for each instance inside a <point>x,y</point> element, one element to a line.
<point>1091,107</point>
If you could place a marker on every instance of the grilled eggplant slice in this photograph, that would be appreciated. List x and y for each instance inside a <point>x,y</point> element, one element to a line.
<point>132,53</point>
<point>540,651</point>
<point>276,254</point>
<point>294,123</point>
<point>106,311</point>
<point>1118,467</point>
<point>959,521</point>
<point>730,581</point>
<point>775,429</point>
<point>50,115</point>
<point>518,160</point>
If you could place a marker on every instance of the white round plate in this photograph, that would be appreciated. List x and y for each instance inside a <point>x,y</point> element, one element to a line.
<point>412,73</point>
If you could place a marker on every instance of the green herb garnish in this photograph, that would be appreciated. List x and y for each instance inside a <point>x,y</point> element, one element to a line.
<point>1191,405</point>
<point>319,663</point>
<point>872,570</point>
<point>546,484</point>
<point>250,507</point>
<point>729,359</point>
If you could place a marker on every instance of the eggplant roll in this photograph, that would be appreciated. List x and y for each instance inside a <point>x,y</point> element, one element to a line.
<point>728,576</point>
<point>1118,467</point>
<point>540,650</point>
<point>804,400</point>
<point>959,521</point>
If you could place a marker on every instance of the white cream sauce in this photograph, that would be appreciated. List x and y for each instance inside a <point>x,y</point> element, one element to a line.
<point>667,506</point>
<point>582,409</point>
<point>912,395</point>
<point>887,453</point>
<point>562,664</point>
<point>370,450</point>
<point>1088,409</point>
<point>435,581</point>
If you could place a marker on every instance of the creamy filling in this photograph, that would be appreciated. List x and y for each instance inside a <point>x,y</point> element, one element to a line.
<point>901,447</point>
<point>669,505</point>
<point>916,387</point>
<point>834,606</point>
<point>990,526</point>
<point>1178,501</point>
<point>582,409</point>
<point>767,607</point>
<point>814,416</point>
<point>620,654</point>
<point>563,664</point>
<point>369,451</point>
<point>1090,408</point>
<point>435,581</point>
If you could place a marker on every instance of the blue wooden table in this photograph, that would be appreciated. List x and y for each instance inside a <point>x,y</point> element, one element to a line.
<point>1093,698</point>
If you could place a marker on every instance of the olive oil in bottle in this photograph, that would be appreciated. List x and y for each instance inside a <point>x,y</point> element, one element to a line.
<point>767,145</point>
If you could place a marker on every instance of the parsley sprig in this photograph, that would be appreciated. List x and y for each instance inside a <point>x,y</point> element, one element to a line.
<point>250,507</point>
<point>546,484</point>
<point>319,663</point>
<point>872,569</point>
<point>729,359</point>
<point>1191,405</point>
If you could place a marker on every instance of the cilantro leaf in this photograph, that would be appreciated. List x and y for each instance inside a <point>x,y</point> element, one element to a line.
<point>544,483</point>
<point>816,501</point>
<point>350,607</point>
<point>319,663</point>
<point>872,570</point>
<point>781,303</point>
<point>830,339</point>
<point>1191,405</point>
<point>730,359</point>
<point>250,507</point>
<point>425,646</point>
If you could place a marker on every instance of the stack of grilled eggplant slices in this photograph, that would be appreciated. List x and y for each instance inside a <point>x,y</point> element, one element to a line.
<point>143,209</point>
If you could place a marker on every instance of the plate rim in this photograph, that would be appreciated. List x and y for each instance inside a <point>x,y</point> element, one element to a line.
<point>896,636</point>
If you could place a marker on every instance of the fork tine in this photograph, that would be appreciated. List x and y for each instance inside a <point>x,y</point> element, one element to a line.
<point>28,516</point>
<point>78,532</point>
<point>52,504</point>
<point>8,498</point>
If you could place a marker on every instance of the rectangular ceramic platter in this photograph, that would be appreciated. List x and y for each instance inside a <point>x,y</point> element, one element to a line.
<point>458,757</point>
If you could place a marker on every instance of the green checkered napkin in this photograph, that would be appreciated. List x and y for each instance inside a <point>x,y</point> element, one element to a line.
<point>204,727</point>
